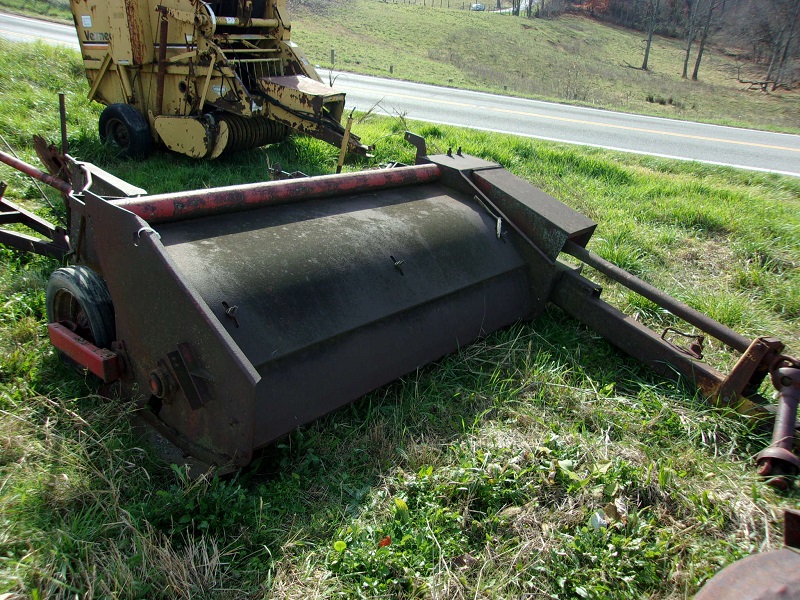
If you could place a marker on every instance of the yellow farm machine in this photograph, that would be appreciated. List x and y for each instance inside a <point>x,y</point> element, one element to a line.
<point>203,78</point>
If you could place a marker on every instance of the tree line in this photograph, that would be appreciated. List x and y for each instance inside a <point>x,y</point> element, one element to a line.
<point>765,32</point>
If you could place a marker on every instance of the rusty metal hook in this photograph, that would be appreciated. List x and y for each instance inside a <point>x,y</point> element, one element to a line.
<point>695,349</point>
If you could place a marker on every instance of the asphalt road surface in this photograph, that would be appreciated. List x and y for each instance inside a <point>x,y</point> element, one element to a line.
<point>743,148</point>
<point>23,29</point>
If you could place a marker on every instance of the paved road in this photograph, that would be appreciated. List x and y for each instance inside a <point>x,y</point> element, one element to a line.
<point>744,148</point>
<point>22,29</point>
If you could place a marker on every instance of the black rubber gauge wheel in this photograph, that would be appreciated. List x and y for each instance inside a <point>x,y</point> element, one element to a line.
<point>125,127</point>
<point>78,299</point>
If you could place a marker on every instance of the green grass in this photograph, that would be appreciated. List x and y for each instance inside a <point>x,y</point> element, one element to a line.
<point>50,10</point>
<point>538,461</point>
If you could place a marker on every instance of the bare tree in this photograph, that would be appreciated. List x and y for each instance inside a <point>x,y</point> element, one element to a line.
<point>713,5</point>
<point>690,32</point>
<point>653,7</point>
<point>771,28</point>
<point>793,13</point>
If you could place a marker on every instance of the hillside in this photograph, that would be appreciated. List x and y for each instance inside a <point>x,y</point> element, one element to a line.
<point>569,58</point>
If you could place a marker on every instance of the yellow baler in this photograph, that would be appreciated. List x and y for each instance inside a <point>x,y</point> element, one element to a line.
<point>202,78</point>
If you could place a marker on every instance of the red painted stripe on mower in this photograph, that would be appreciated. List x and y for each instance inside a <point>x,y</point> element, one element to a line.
<point>200,203</point>
<point>103,363</point>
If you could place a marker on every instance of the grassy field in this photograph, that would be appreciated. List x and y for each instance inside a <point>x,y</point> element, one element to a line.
<point>568,59</point>
<point>536,463</point>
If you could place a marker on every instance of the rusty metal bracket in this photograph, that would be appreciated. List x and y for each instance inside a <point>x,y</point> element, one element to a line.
<point>56,245</point>
<point>749,372</point>
<point>419,143</point>
<point>191,378</point>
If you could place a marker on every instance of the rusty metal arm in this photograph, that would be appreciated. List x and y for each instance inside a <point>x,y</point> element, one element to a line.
<point>580,298</point>
<point>59,184</point>
<point>56,245</point>
<point>724,334</point>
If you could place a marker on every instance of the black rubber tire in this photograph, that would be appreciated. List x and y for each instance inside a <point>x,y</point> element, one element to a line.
<point>78,298</point>
<point>124,127</point>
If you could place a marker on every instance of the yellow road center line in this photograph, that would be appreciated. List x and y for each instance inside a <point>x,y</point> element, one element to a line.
<point>591,123</point>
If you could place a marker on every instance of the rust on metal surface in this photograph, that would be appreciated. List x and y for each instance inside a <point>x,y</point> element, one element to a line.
<point>163,25</point>
<point>103,363</point>
<point>61,185</point>
<point>50,155</point>
<point>791,528</point>
<point>772,575</point>
<point>749,371</point>
<point>135,31</point>
<point>769,576</point>
<point>199,203</point>
<point>62,111</point>
<point>777,462</point>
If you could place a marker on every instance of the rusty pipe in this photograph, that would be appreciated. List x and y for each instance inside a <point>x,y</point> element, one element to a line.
<point>778,462</point>
<point>162,59</point>
<point>61,185</point>
<point>62,111</point>
<point>694,317</point>
<point>237,22</point>
<point>162,208</point>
